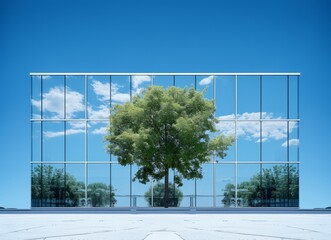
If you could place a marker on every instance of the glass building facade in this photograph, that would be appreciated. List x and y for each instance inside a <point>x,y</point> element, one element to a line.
<point>70,166</point>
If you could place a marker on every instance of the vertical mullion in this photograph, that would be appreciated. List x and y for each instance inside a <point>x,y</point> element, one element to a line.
<point>41,141</point>
<point>130,198</point>
<point>65,129</point>
<point>214,157</point>
<point>86,136</point>
<point>261,129</point>
<point>110,155</point>
<point>236,140</point>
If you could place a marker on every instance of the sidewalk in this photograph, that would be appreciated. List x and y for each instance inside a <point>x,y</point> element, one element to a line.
<point>165,226</point>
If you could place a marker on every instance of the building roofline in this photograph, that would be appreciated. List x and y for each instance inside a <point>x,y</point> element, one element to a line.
<point>166,74</point>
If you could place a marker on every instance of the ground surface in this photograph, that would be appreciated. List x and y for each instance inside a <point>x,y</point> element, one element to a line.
<point>160,226</point>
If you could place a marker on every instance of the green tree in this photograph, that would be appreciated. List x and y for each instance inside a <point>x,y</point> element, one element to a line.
<point>51,187</point>
<point>165,129</point>
<point>276,186</point>
<point>100,195</point>
<point>175,195</point>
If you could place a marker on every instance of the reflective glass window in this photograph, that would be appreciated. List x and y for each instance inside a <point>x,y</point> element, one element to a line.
<point>205,187</point>
<point>99,191</point>
<point>225,97</point>
<point>53,185</point>
<point>294,97</point>
<point>248,134</point>
<point>98,97</point>
<point>75,97</point>
<point>140,83</point>
<point>206,84</point>
<point>36,97</point>
<point>185,81</point>
<point>36,141</point>
<point>225,185</point>
<point>274,97</point>
<point>97,147</point>
<point>75,141</point>
<point>294,142</point>
<point>293,188</point>
<point>248,188</point>
<point>139,190</point>
<point>75,185</point>
<point>164,81</point>
<point>227,129</point>
<point>120,180</point>
<point>53,97</point>
<point>36,185</point>
<point>248,97</point>
<point>53,141</point>
<point>274,141</point>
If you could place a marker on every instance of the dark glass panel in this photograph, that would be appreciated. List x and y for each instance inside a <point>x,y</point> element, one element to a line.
<point>75,185</point>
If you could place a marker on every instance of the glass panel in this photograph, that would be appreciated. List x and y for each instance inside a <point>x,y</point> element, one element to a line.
<point>139,191</point>
<point>274,87</point>
<point>140,83</point>
<point>53,97</point>
<point>294,141</point>
<point>120,89</point>
<point>99,192</point>
<point>164,81</point>
<point>98,97</point>
<point>227,128</point>
<point>206,83</point>
<point>188,192</point>
<point>75,100</point>
<point>53,141</point>
<point>248,185</point>
<point>53,187</point>
<point>36,141</point>
<point>75,185</point>
<point>96,144</point>
<point>274,191</point>
<point>75,141</point>
<point>225,185</point>
<point>225,97</point>
<point>293,173</point>
<point>248,134</point>
<point>185,81</point>
<point>120,180</point>
<point>205,187</point>
<point>274,138</point>
<point>36,97</point>
<point>36,185</point>
<point>294,97</point>
<point>248,97</point>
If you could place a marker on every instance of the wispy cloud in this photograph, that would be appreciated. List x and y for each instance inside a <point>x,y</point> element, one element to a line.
<point>206,81</point>
<point>102,90</point>
<point>102,112</point>
<point>101,130</point>
<point>291,142</point>
<point>51,134</point>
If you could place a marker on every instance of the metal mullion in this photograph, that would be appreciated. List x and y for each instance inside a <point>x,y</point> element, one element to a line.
<point>41,140</point>
<point>130,198</point>
<point>236,140</point>
<point>261,129</point>
<point>110,155</point>
<point>86,136</point>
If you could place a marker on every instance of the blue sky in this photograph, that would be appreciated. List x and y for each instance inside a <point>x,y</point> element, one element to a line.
<point>165,36</point>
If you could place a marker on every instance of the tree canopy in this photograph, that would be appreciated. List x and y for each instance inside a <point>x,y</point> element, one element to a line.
<point>164,129</point>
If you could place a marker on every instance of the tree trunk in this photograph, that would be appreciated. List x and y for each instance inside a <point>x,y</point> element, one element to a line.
<point>166,189</point>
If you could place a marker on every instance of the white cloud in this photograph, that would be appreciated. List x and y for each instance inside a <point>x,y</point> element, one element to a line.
<point>206,80</point>
<point>138,80</point>
<point>50,134</point>
<point>101,113</point>
<point>291,142</point>
<point>102,90</point>
<point>53,102</point>
<point>101,130</point>
<point>250,130</point>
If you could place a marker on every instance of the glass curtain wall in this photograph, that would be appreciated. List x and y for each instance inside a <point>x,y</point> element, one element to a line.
<point>70,166</point>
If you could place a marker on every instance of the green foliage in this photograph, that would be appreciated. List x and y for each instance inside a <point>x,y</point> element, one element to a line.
<point>51,187</point>
<point>175,195</point>
<point>165,129</point>
<point>275,186</point>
